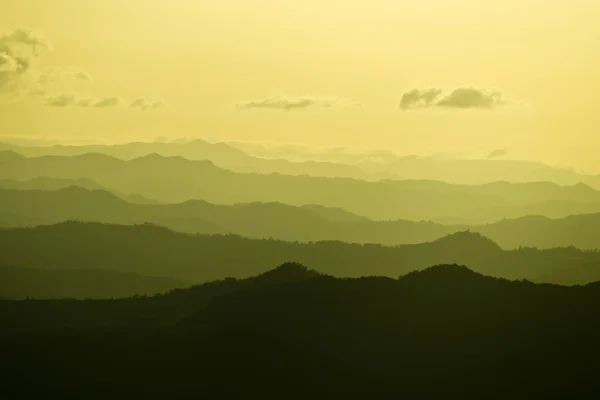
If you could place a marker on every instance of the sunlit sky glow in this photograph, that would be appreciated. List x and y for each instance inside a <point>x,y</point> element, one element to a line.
<point>317,72</point>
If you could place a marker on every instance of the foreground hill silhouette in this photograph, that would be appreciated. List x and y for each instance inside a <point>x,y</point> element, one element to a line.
<point>175,179</point>
<point>265,220</point>
<point>445,331</point>
<point>156,251</point>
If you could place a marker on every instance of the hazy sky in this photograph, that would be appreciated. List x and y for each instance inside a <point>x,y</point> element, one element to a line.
<point>319,72</point>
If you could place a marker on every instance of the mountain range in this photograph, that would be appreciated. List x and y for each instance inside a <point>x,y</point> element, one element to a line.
<point>151,250</point>
<point>175,179</point>
<point>340,163</point>
<point>275,220</point>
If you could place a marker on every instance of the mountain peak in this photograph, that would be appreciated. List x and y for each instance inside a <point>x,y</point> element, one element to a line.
<point>445,274</point>
<point>468,239</point>
<point>285,273</point>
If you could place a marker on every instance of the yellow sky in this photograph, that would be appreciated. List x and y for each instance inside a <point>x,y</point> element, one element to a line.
<point>205,56</point>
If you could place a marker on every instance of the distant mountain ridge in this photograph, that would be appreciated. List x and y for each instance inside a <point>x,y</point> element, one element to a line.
<point>220,154</point>
<point>280,221</point>
<point>368,165</point>
<point>176,179</point>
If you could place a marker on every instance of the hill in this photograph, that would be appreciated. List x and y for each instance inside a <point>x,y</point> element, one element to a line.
<point>445,331</point>
<point>47,183</point>
<point>285,222</point>
<point>176,179</point>
<point>220,154</point>
<point>257,220</point>
<point>24,282</point>
<point>156,251</point>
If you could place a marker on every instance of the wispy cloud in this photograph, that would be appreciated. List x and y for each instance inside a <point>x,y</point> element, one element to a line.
<point>61,100</point>
<point>419,98</point>
<point>497,153</point>
<point>18,50</point>
<point>459,98</point>
<point>85,102</point>
<point>55,74</point>
<point>288,103</point>
<point>469,97</point>
<point>108,102</point>
<point>144,104</point>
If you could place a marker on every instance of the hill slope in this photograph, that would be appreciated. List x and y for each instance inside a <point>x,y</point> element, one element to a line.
<point>23,282</point>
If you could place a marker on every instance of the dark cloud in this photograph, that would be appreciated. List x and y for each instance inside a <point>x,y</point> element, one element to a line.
<point>18,49</point>
<point>144,104</point>
<point>497,153</point>
<point>288,103</point>
<point>61,100</point>
<point>460,98</point>
<point>108,102</point>
<point>419,98</point>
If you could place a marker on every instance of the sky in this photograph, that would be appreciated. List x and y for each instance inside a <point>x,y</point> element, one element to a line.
<point>515,78</point>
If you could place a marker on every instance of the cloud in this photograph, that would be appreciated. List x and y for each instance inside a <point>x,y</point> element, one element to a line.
<point>53,74</point>
<point>85,102</point>
<point>71,99</point>
<point>460,98</point>
<point>497,153</point>
<point>419,98</point>
<point>108,102</point>
<point>18,50</point>
<point>144,104</point>
<point>288,103</point>
<point>469,97</point>
<point>61,100</point>
<point>37,92</point>
<point>81,76</point>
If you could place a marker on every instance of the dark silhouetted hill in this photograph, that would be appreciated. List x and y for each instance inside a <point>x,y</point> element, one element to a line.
<point>442,332</point>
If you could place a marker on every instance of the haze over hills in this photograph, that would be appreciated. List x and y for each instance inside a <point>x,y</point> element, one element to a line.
<point>47,183</point>
<point>424,332</point>
<point>23,282</point>
<point>220,154</point>
<point>294,160</point>
<point>280,221</point>
<point>156,251</point>
<point>442,168</point>
<point>175,179</point>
